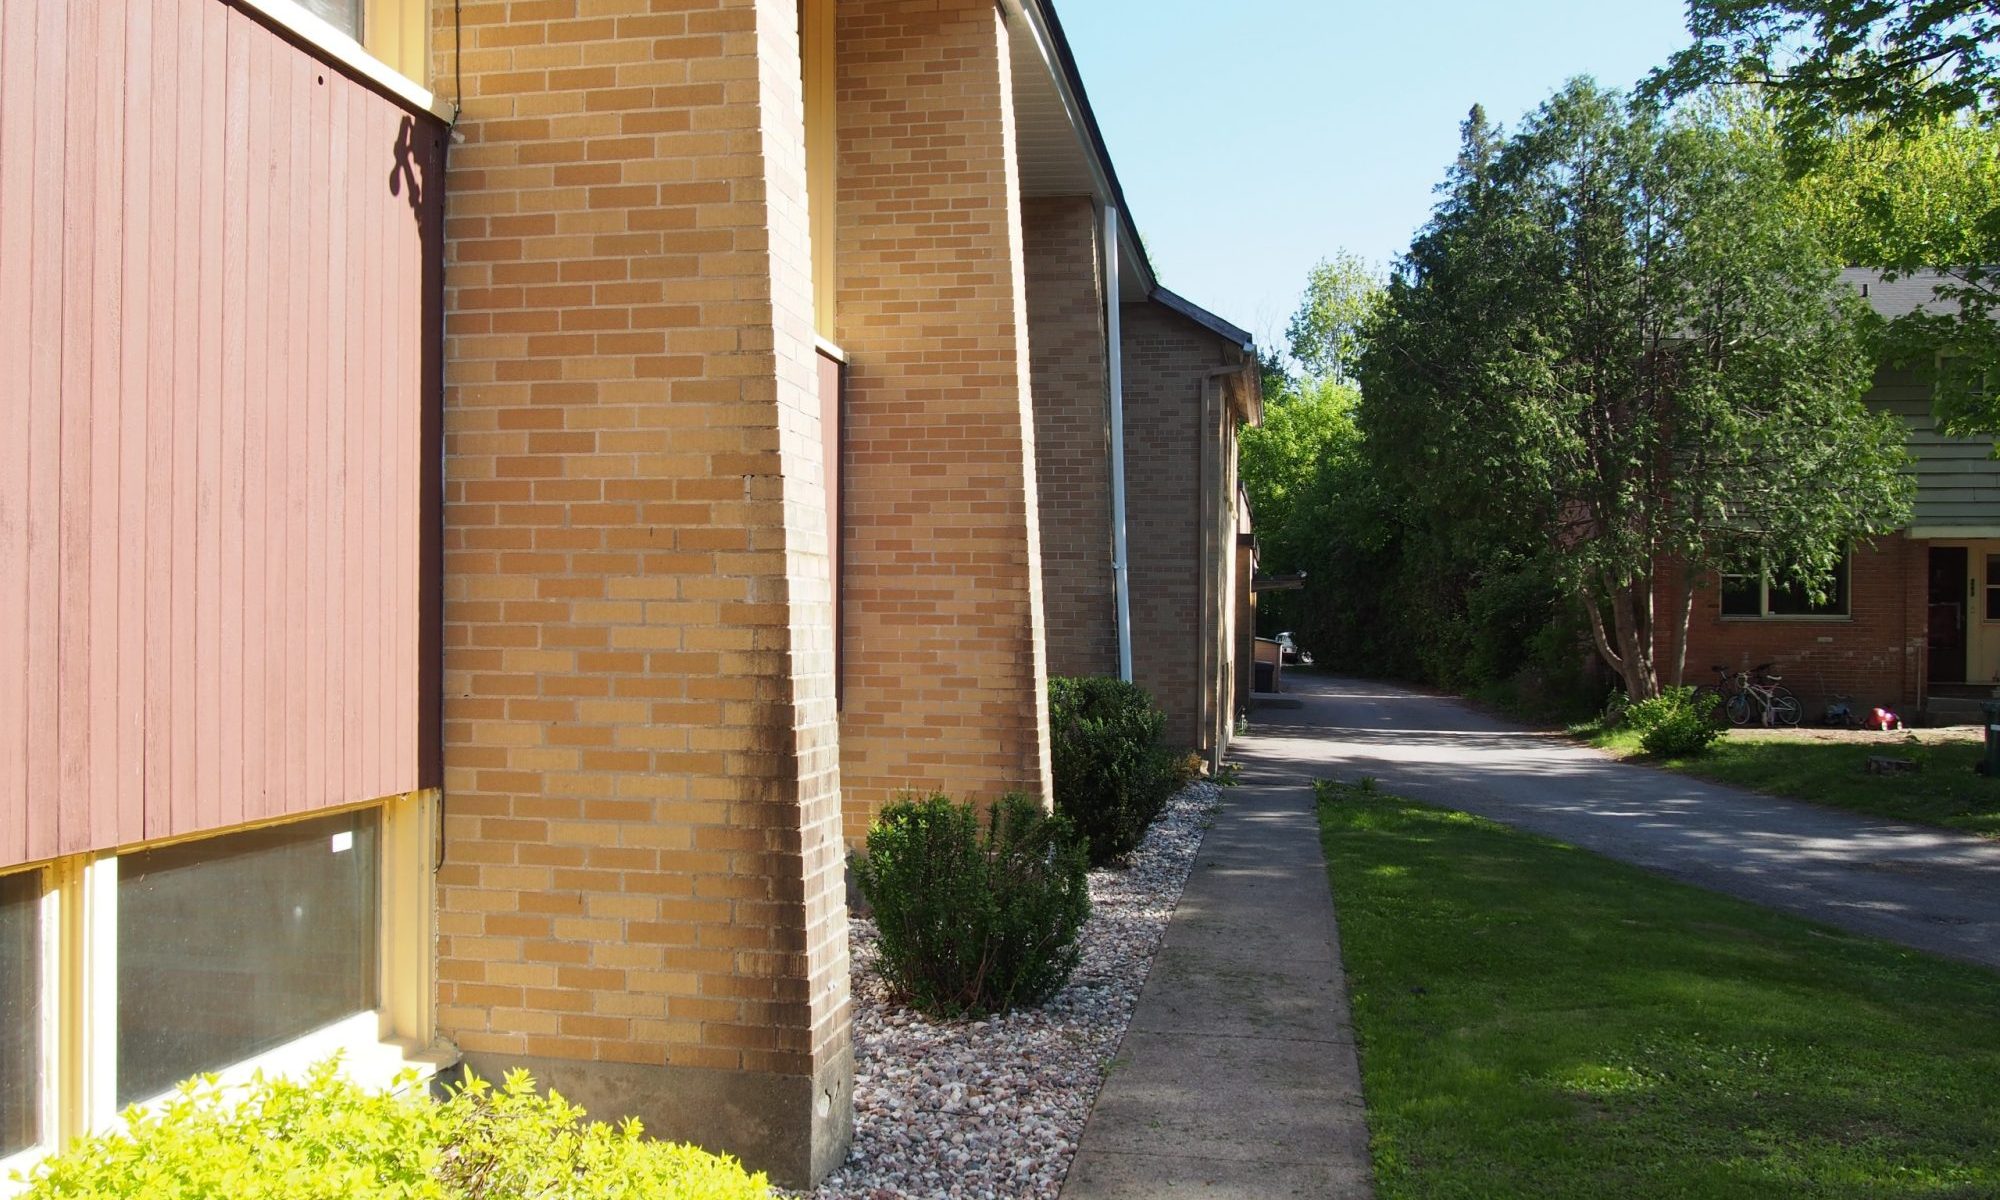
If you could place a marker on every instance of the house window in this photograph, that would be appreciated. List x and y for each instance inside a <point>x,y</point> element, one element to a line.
<point>1758,595</point>
<point>344,15</point>
<point>266,949</point>
<point>20,1012</point>
<point>230,946</point>
<point>1993,587</point>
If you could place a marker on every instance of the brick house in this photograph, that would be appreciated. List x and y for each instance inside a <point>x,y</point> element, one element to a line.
<point>1913,621</point>
<point>491,550</point>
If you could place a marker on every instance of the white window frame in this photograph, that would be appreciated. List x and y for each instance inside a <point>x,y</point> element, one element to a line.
<point>79,985</point>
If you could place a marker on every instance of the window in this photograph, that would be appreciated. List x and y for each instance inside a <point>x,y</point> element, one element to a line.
<point>20,1012</point>
<point>250,949</point>
<point>1993,587</point>
<point>230,946</point>
<point>344,15</point>
<point>1758,595</point>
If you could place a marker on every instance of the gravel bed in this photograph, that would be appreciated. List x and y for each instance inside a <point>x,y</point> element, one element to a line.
<point>993,1109</point>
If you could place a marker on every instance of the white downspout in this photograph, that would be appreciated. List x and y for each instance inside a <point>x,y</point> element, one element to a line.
<point>1114,358</point>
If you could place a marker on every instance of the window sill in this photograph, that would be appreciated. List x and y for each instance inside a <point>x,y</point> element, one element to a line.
<point>366,1057</point>
<point>1802,618</point>
<point>345,52</point>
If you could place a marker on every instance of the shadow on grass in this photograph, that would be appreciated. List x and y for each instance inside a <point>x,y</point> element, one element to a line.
<point>1943,791</point>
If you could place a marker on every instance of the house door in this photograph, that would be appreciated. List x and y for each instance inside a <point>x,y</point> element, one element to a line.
<point>1948,591</point>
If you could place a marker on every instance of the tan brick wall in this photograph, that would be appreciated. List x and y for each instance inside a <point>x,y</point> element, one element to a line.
<point>1066,344</point>
<point>944,673</point>
<point>1180,447</point>
<point>643,865</point>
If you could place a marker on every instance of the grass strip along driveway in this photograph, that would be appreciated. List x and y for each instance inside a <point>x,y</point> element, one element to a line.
<point>1539,1021</point>
<point>1943,791</point>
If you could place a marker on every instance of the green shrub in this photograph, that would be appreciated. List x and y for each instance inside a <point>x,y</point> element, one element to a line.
<point>325,1138</point>
<point>1112,775</point>
<point>1676,723</point>
<point>974,917</point>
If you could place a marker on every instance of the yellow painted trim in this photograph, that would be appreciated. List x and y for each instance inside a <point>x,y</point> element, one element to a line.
<point>332,810</point>
<point>89,995</point>
<point>398,33</point>
<point>409,918</point>
<point>816,50</point>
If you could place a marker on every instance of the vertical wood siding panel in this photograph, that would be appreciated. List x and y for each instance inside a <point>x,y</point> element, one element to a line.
<point>333,447</point>
<point>293,396</point>
<point>407,289</point>
<point>383,373</point>
<point>163,223</point>
<point>314,599</point>
<point>184,550</point>
<point>257,393</point>
<point>430,465</point>
<point>74,624</point>
<point>281,698</point>
<point>364,510</point>
<point>45,426</point>
<point>214,297</point>
<point>106,308</point>
<point>235,340</point>
<point>133,377</point>
<point>209,386</point>
<point>17,160</point>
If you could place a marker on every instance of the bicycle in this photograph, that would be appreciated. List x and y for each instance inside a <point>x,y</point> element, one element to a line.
<point>1722,689</point>
<point>1758,694</point>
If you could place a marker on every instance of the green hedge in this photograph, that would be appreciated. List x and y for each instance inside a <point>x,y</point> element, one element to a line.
<point>1677,723</point>
<point>1112,774</point>
<point>324,1138</point>
<point>974,917</point>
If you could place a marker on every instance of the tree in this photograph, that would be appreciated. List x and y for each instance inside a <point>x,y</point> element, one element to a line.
<point>1898,98</point>
<point>1614,342</point>
<point>1907,62</point>
<point>1325,332</point>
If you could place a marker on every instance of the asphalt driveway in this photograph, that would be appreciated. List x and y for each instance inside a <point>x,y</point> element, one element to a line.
<point>1928,889</point>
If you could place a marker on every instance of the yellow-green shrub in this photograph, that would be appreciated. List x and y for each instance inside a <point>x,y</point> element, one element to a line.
<point>324,1138</point>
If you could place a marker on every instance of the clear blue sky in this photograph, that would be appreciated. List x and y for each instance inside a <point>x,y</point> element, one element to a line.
<point>1256,137</point>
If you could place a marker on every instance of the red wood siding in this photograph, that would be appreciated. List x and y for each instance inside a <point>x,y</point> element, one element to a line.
<point>218,304</point>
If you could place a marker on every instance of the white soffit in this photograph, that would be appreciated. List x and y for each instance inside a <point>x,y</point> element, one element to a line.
<point>1053,146</point>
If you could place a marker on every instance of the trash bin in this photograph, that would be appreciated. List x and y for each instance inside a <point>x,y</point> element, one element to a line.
<point>1991,766</point>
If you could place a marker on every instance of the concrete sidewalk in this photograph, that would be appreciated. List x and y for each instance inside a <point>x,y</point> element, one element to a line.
<point>1238,1077</point>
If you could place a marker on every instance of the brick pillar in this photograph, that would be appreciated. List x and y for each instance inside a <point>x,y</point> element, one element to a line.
<point>1066,338</point>
<point>944,672</point>
<point>641,899</point>
<point>1166,361</point>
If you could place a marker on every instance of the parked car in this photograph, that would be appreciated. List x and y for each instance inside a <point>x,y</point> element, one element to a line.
<point>1288,647</point>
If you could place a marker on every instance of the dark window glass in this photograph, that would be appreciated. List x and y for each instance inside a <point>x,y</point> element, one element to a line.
<point>20,1011</point>
<point>1790,599</point>
<point>344,15</point>
<point>232,945</point>
<point>1993,587</point>
<point>1742,596</point>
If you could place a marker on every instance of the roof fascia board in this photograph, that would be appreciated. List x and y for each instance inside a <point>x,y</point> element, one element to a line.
<point>1202,317</point>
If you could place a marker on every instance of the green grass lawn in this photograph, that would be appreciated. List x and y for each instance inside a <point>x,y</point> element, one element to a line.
<point>1538,1021</point>
<point>1944,793</point>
